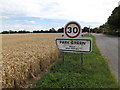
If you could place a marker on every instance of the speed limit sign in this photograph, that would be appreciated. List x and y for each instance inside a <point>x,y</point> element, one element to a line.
<point>72,30</point>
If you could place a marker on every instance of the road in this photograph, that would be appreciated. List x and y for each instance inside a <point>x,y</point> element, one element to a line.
<point>108,46</point>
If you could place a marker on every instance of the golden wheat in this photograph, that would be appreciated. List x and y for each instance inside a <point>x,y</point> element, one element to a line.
<point>0,61</point>
<point>25,56</point>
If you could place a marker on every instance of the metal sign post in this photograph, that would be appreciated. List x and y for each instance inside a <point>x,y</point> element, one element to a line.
<point>82,58</point>
<point>89,30</point>
<point>63,57</point>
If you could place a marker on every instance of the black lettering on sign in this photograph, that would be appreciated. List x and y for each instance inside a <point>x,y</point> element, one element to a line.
<point>67,48</point>
<point>60,42</point>
<point>71,42</point>
<point>64,42</point>
<point>78,42</point>
<point>83,43</point>
<point>75,30</point>
<point>70,30</point>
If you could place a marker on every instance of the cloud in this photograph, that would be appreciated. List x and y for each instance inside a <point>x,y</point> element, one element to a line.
<point>27,21</point>
<point>4,17</point>
<point>18,27</point>
<point>119,3</point>
<point>33,22</point>
<point>84,10</point>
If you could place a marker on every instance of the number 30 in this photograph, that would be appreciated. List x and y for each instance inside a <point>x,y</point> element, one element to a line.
<point>74,30</point>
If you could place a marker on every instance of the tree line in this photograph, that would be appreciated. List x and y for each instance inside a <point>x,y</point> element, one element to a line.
<point>112,26</point>
<point>52,30</point>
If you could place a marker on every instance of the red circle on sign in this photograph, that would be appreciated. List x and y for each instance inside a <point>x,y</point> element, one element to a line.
<point>77,26</point>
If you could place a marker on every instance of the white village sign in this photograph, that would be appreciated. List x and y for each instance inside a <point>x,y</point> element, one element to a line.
<point>74,45</point>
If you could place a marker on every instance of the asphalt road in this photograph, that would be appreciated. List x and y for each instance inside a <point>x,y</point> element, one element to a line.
<point>108,46</point>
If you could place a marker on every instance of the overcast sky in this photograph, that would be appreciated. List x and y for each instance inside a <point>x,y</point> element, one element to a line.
<point>45,14</point>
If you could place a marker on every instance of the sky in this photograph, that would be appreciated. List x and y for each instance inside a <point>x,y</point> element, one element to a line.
<point>45,14</point>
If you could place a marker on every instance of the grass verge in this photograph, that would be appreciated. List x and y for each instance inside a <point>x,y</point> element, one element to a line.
<point>94,73</point>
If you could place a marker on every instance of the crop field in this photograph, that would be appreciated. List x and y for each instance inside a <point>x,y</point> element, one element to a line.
<point>0,61</point>
<point>24,56</point>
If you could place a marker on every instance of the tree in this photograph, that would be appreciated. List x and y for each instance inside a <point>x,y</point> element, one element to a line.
<point>114,21</point>
<point>52,30</point>
<point>61,30</point>
<point>4,32</point>
<point>23,31</point>
<point>85,29</point>
<point>112,26</point>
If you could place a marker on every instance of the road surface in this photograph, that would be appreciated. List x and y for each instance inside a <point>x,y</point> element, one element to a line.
<point>108,46</point>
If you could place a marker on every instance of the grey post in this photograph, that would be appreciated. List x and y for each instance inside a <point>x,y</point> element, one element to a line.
<point>89,30</point>
<point>63,56</point>
<point>82,58</point>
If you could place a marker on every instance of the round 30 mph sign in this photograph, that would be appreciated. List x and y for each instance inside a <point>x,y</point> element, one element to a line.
<point>72,30</point>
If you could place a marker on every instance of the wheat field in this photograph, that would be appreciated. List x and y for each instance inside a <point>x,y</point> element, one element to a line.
<point>24,56</point>
<point>0,61</point>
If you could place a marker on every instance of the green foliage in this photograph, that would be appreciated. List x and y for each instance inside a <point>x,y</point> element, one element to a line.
<point>94,73</point>
<point>114,19</point>
<point>112,26</point>
<point>97,30</point>
<point>85,29</point>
